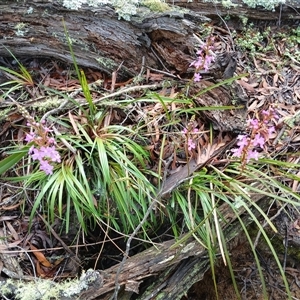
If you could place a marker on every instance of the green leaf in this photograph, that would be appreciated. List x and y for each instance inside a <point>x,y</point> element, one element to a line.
<point>11,160</point>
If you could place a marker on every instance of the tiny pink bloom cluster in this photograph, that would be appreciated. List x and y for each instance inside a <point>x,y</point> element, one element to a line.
<point>43,149</point>
<point>260,132</point>
<point>204,59</point>
<point>190,142</point>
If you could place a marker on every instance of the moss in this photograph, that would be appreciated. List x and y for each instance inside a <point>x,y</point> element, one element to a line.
<point>49,103</point>
<point>106,63</point>
<point>42,289</point>
<point>21,29</point>
<point>228,4</point>
<point>156,5</point>
<point>266,4</point>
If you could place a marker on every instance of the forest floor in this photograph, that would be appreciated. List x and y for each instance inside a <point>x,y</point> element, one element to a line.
<point>271,57</point>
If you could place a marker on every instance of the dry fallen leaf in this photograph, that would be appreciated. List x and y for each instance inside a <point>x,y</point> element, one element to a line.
<point>41,257</point>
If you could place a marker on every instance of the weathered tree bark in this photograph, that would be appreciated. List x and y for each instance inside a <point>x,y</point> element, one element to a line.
<point>164,40</point>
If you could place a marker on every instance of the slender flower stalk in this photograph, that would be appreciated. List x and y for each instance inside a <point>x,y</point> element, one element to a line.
<point>204,59</point>
<point>189,134</point>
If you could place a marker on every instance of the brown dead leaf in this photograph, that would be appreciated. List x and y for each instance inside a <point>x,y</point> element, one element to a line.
<point>246,86</point>
<point>275,79</point>
<point>257,66</point>
<point>74,125</point>
<point>173,94</point>
<point>39,271</point>
<point>7,246</point>
<point>40,257</point>
<point>295,186</point>
<point>7,218</point>
<point>12,231</point>
<point>155,76</point>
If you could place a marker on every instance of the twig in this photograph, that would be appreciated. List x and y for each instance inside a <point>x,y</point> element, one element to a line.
<point>127,90</point>
<point>162,72</point>
<point>120,92</point>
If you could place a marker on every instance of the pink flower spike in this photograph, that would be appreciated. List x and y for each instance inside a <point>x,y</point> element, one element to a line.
<point>184,131</point>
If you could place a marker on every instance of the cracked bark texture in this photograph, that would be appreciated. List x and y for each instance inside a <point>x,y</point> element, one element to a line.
<point>34,28</point>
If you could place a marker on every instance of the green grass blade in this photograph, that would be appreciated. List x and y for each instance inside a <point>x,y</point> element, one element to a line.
<point>8,162</point>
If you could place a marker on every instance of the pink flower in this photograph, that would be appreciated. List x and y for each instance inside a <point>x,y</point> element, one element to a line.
<point>191,144</point>
<point>51,141</point>
<point>237,152</point>
<point>198,63</point>
<point>51,153</point>
<point>252,154</point>
<point>197,77</point>
<point>208,60</point>
<point>254,123</point>
<point>37,154</point>
<point>46,167</point>
<point>31,149</point>
<point>271,130</point>
<point>29,137</point>
<point>258,141</point>
<point>243,141</point>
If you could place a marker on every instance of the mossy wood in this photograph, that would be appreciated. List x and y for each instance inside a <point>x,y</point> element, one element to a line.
<point>100,40</point>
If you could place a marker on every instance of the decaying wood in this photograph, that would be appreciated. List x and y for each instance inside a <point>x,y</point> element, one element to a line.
<point>238,8</point>
<point>99,39</point>
<point>165,40</point>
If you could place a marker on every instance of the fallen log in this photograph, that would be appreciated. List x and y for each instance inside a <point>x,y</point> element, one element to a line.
<point>100,40</point>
